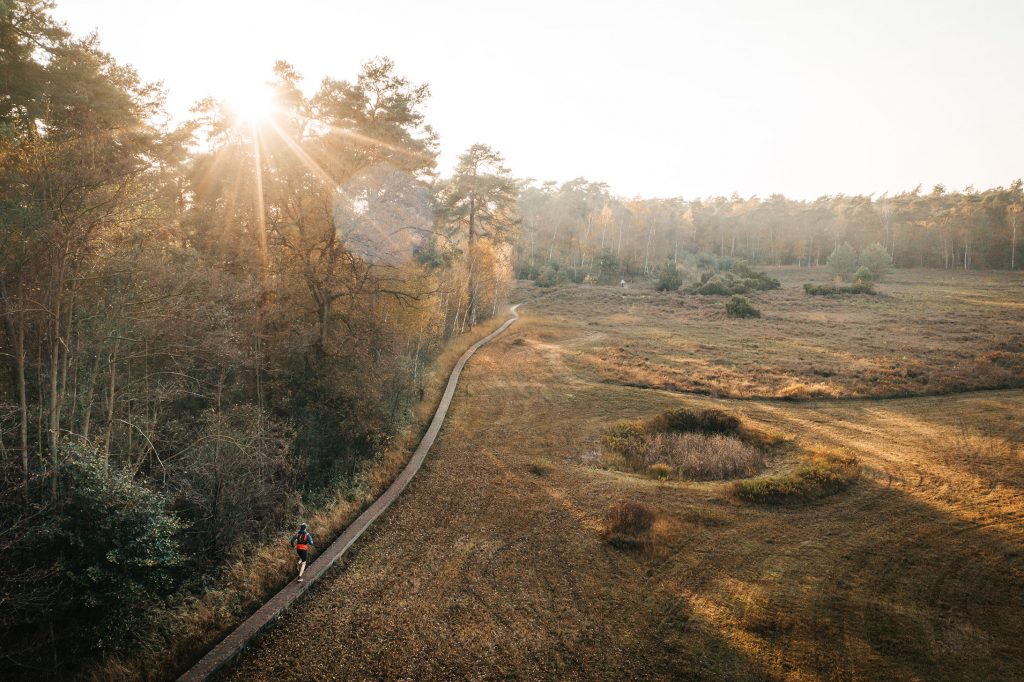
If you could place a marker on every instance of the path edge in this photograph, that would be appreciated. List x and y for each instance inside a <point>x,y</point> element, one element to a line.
<point>225,652</point>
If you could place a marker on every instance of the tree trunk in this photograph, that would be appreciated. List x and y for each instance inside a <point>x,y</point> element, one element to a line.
<point>1013,244</point>
<point>471,311</point>
<point>112,366</point>
<point>87,418</point>
<point>53,425</point>
<point>16,332</point>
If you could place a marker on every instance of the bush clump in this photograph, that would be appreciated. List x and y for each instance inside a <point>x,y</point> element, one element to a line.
<point>660,471</point>
<point>683,420</point>
<point>549,277</point>
<point>739,306</point>
<point>695,444</point>
<point>105,553</point>
<point>740,279</point>
<point>839,289</point>
<point>627,525</point>
<point>874,261</point>
<point>823,475</point>
<point>539,466</point>
<point>668,277</point>
<point>700,457</point>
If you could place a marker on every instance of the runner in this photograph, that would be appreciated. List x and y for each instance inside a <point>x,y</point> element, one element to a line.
<point>302,541</point>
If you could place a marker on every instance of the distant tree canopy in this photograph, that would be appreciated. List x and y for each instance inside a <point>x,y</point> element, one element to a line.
<point>579,225</point>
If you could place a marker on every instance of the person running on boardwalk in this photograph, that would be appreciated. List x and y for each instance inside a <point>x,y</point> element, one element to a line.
<point>302,541</point>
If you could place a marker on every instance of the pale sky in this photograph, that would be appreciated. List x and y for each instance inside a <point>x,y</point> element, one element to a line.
<point>655,98</point>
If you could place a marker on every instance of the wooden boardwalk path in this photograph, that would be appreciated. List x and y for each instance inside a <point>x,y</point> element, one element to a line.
<point>226,651</point>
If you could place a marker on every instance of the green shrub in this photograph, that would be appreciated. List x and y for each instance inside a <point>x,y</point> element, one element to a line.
<point>719,285</point>
<point>843,261</point>
<point>876,260</point>
<point>625,437</point>
<point>684,420</point>
<point>117,542</point>
<point>660,471</point>
<point>627,525</point>
<point>738,306</point>
<point>839,289</point>
<point>709,261</point>
<point>608,267</point>
<point>548,277</point>
<point>824,474</point>
<point>740,280</point>
<point>862,275</point>
<point>668,277</point>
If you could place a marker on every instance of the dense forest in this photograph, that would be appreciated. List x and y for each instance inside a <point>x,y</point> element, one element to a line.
<point>580,230</point>
<point>206,328</point>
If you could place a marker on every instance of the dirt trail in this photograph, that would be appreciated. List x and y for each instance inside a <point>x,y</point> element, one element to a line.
<point>483,570</point>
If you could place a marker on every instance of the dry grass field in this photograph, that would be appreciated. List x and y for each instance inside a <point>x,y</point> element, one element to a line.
<point>493,565</point>
<point>927,332</point>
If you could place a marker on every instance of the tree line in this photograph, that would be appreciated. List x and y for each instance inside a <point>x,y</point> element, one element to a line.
<point>578,229</point>
<point>206,328</point>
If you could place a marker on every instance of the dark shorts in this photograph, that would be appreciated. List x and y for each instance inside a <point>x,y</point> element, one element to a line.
<point>303,553</point>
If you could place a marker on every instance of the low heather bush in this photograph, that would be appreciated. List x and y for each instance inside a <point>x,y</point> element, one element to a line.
<point>839,289</point>
<point>739,306</point>
<point>660,471</point>
<point>822,475</point>
<point>539,466</point>
<point>693,444</point>
<point>627,525</point>
<point>683,420</point>
<point>740,279</point>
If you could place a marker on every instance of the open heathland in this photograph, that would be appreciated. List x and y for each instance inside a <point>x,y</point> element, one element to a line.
<point>485,569</point>
<point>925,332</point>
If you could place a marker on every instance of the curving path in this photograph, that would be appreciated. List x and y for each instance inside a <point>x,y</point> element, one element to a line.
<point>225,652</point>
<point>490,569</point>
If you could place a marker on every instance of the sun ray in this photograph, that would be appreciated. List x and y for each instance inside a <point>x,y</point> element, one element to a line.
<point>366,139</point>
<point>302,156</point>
<point>261,217</point>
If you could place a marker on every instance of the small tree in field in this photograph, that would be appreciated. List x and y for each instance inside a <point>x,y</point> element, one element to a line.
<point>669,278</point>
<point>843,261</point>
<point>607,267</point>
<point>877,260</point>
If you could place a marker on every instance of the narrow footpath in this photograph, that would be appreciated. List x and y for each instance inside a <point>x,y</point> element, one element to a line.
<point>224,653</point>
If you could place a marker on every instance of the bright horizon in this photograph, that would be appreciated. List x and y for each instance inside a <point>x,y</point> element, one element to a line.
<point>657,101</point>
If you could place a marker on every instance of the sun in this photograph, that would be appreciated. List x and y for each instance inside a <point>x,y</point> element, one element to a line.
<point>251,103</point>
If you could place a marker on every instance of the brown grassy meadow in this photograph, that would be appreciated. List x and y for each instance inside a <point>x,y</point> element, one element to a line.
<point>486,569</point>
<point>927,332</point>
